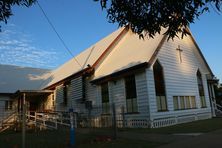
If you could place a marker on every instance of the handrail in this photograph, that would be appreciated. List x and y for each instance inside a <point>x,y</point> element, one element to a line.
<point>42,118</point>
<point>217,107</point>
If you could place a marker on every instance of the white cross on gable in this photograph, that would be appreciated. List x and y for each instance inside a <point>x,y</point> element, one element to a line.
<point>180,53</point>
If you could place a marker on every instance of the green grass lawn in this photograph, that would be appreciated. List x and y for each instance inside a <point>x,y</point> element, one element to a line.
<point>121,143</point>
<point>43,139</point>
<point>86,138</point>
<point>60,139</point>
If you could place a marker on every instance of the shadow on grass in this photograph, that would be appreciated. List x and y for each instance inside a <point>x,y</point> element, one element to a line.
<point>86,137</point>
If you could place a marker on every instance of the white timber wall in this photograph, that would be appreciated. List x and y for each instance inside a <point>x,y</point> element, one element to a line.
<point>117,95</point>
<point>3,112</point>
<point>142,95</point>
<point>180,78</point>
<point>59,99</point>
<point>2,105</point>
<point>74,96</point>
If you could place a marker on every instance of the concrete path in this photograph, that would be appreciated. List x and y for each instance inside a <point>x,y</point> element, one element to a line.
<point>207,140</point>
<point>161,138</point>
<point>190,140</point>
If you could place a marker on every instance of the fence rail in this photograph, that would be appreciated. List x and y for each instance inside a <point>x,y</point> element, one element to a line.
<point>95,118</point>
<point>50,119</point>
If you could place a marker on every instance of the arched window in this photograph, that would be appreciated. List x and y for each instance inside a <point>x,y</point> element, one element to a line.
<point>201,89</point>
<point>160,87</point>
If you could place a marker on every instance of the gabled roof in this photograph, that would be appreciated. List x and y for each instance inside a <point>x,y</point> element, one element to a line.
<point>130,51</point>
<point>88,57</point>
<point>119,51</point>
<point>13,78</point>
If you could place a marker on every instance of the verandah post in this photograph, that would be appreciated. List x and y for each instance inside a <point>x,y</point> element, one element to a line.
<point>123,116</point>
<point>72,129</point>
<point>114,121</point>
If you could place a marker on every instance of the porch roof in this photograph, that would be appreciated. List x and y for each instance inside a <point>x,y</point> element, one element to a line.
<point>29,93</point>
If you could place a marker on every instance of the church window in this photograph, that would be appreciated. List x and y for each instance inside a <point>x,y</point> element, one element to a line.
<point>201,89</point>
<point>159,87</point>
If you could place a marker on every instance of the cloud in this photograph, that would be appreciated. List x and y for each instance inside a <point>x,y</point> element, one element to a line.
<point>17,48</point>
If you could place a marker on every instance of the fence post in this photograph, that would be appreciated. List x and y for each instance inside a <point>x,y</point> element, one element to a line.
<point>114,121</point>
<point>72,129</point>
<point>123,116</point>
<point>75,119</point>
<point>35,119</point>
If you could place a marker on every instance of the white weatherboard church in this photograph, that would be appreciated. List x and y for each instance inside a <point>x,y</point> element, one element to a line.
<point>155,81</point>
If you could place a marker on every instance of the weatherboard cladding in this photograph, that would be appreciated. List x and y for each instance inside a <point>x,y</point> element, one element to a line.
<point>91,91</point>
<point>74,95</point>
<point>59,98</point>
<point>117,94</point>
<point>180,78</point>
<point>77,89</point>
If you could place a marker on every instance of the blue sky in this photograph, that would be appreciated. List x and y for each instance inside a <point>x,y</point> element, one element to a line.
<point>28,40</point>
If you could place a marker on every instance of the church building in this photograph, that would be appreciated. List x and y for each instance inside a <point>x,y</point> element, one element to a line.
<point>154,82</point>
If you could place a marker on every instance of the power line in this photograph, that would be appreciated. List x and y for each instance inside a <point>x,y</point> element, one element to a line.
<point>60,38</point>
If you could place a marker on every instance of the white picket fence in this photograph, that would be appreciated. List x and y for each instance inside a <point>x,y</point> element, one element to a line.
<point>173,120</point>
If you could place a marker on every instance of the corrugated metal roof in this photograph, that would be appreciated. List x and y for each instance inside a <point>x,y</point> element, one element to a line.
<point>13,78</point>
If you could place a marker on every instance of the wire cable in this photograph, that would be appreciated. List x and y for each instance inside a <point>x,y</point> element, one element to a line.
<point>54,29</point>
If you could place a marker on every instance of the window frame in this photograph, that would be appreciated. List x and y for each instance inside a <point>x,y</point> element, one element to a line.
<point>160,88</point>
<point>131,94</point>
<point>184,102</point>
<point>201,89</point>
<point>105,98</point>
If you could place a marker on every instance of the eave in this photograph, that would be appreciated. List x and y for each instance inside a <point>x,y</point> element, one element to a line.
<point>85,72</point>
<point>122,73</point>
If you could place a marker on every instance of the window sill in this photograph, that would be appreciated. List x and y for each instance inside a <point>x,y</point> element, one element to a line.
<point>162,110</point>
<point>204,107</point>
<point>105,114</point>
<point>130,113</point>
<point>184,109</point>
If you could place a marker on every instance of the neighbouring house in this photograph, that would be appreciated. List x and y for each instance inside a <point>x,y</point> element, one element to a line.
<point>17,78</point>
<point>152,82</point>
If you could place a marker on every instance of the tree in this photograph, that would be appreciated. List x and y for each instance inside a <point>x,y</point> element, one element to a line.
<point>144,17</point>
<point>149,16</point>
<point>5,7</point>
